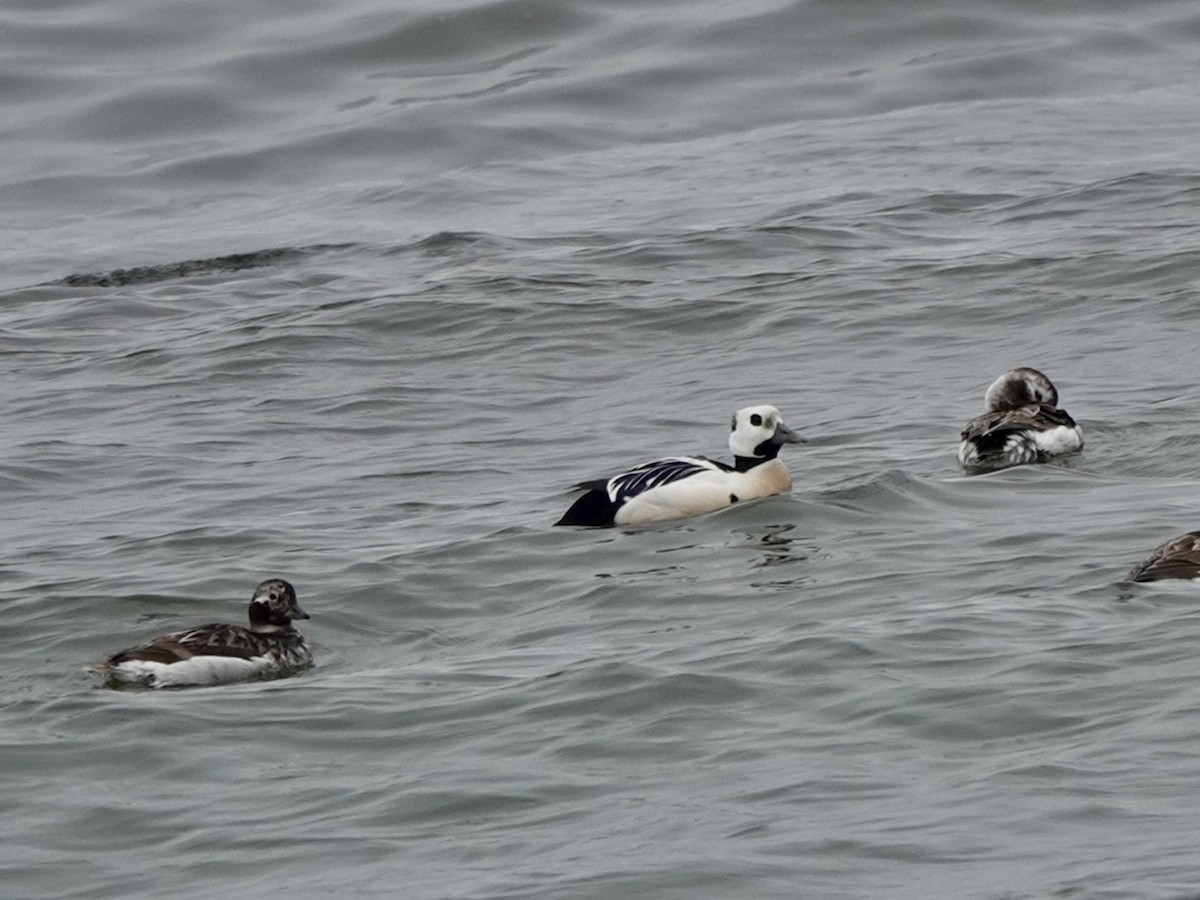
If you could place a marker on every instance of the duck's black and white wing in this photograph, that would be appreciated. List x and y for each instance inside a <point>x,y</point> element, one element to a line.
<point>602,501</point>
<point>648,476</point>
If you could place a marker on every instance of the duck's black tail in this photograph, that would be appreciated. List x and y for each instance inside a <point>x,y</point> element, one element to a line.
<point>592,509</point>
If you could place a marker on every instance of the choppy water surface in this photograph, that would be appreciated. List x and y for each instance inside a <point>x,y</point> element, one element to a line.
<point>353,296</point>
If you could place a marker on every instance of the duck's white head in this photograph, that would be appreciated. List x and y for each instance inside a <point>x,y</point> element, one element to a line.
<point>274,606</point>
<point>759,432</point>
<point>1018,388</point>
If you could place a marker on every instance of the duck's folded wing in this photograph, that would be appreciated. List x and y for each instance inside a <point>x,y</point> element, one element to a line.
<point>207,640</point>
<point>1032,417</point>
<point>1177,558</point>
<point>1053,417</point>
<point>221,640</point>
<point>657,473</point>
<point>166,649</point>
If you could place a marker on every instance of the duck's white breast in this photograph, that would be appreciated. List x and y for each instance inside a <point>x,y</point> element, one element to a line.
<point>771,477</point>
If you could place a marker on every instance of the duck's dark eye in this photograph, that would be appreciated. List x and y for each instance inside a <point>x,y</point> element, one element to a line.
<point>755,419</point>
<point>733,423</point>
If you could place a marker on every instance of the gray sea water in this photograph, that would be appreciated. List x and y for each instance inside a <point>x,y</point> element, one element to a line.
<point>352,293</point>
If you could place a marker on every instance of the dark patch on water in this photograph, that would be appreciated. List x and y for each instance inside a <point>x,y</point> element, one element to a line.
<point>189,268</point>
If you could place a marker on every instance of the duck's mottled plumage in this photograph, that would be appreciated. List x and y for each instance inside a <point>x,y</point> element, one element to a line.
<point>218,653</point>
<point>1022,424</point>
<point>1177,558</point>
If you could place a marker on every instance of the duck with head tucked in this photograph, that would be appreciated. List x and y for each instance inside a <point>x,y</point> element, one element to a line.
<point>680,486</point>
<point>1023,424</point>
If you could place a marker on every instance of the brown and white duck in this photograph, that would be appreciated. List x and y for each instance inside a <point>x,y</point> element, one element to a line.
<point>1177,558</point>
<point>1023,424</point>
<point>218,653</point>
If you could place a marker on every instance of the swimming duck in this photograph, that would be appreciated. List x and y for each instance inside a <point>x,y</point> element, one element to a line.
<point>681,486</point>
<point>1177,558</point>
<point>1022,424</point>
<point>216,654</point>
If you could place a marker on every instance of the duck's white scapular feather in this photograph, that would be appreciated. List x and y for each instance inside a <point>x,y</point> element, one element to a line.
<point>218,653</point>
<point>680,486</point>
<point>1023,424</point>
